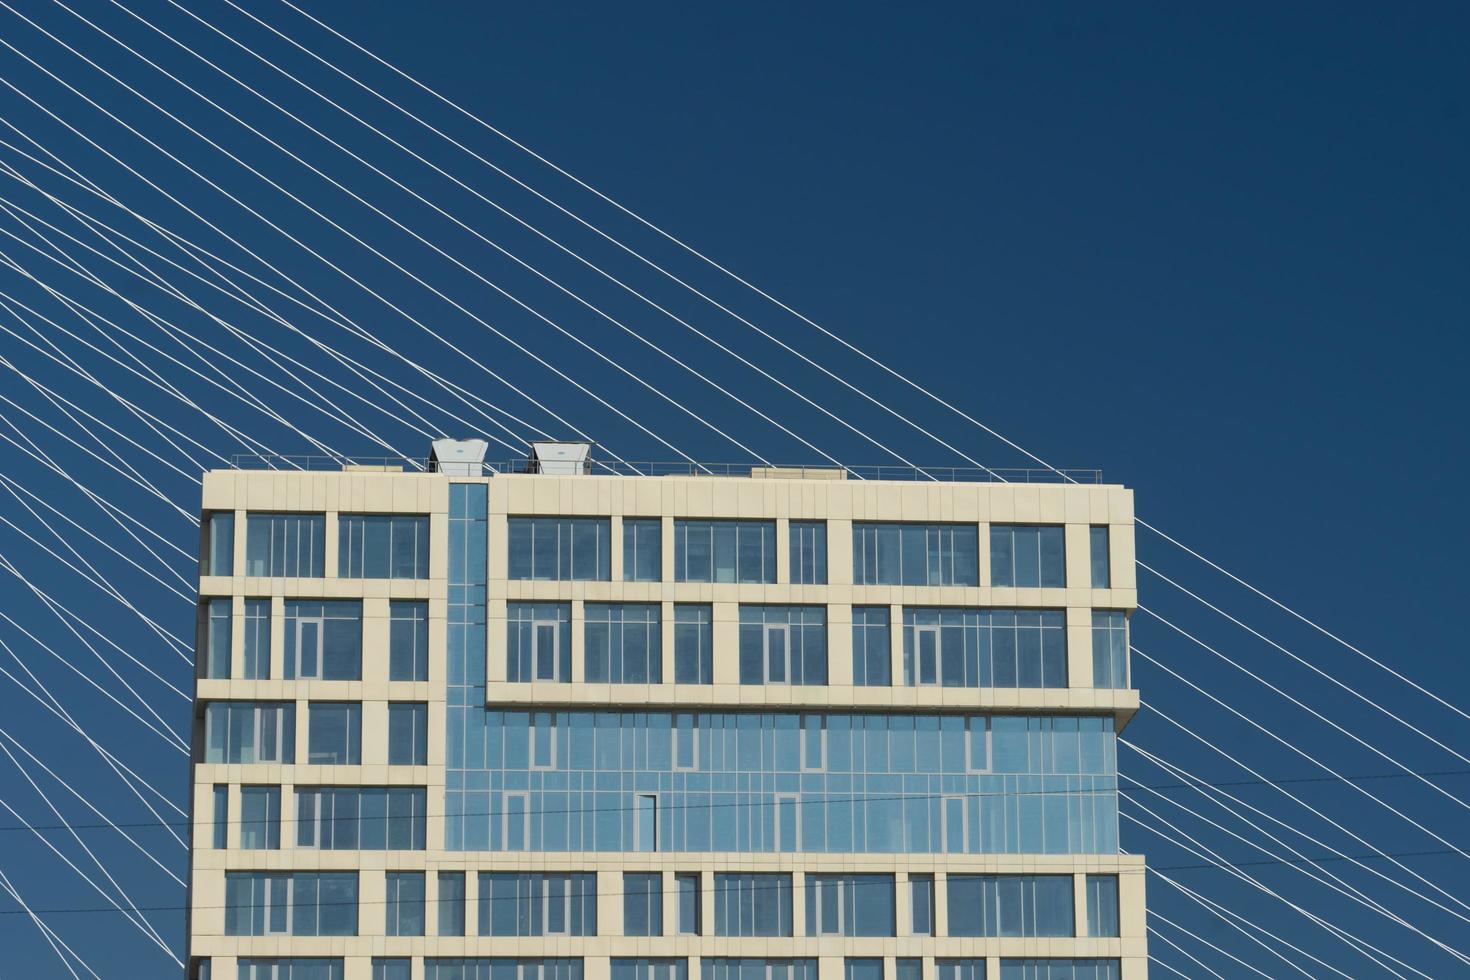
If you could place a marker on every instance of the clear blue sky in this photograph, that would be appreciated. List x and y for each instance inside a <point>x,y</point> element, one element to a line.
<point>1221,255</point>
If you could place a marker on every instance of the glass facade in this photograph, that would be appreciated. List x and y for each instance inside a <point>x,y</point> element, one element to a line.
<point>217,638</point>
<point>334,733</point>
<point>408,734</point>
<point>408,640</point>
<point>752,904</point>
<point>694,661</point>
<point>724,551</point>
<point>756,968</point>
<point>872,655</point>
<point>292,545</point>
<point>382,546</point>
<point>1060,969</point>
<point>809,552</point>
<point>299,903</point>
<point>404,905</point>
<point>1109,648</point>
<point>1102,905</point>
<point>915,554</point>
<point>514,904</point>
<point>255,657</point>
<point>361,818</point>
<point>643,556</point>
<point>849,905</point>
<point>538,642</point>
<point>250,731</point>
<point>451,903</point>
<point>953,647</point>
<point>260,817</point>
<point>294,968</point>
<point>622,643</point>
<point>783,645</point>
<point>643,904</point>
<point>1099,557</point>
<point>219,544</point>
<point>1028,556</point>
<point>501,968</point>
<point>323,639</point>
<point>559,549</point>
<point>1010,905</point>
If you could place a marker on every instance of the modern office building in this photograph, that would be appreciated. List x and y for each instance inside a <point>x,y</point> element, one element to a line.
<point>559,721</point>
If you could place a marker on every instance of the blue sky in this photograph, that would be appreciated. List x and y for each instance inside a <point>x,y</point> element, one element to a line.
<point>1219,254</point>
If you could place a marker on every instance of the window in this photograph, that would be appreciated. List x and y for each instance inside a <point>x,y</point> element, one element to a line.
<point>645,822</point>
<point>541,740</point>
<point>921,904</point>
<point>643,904</point>
<point>242,732</point>
<point>501,968</point>
<point>1027,556</point>
<point>256,656</point>
<point>217,639</point>
<point>813,743</point>
<point>334,733</point>
<point>292,545</point>
<point>622,643</point>
<point>977,744</point>
<point>392,968</point>
<point>295,968</point>
<point>219,544</point>
<point>361,818</point>
<point>451,903</point>
<point>686,889</point>
<point>516,817</point>
<point>538,644</point>
<point>809,552</point>
<point>756,968</point>
<point>849,905</point>
<point>560,549</point>
<point>1097,549</point>
<point>912,968</point>
<point>1109,648</point>
<point>872,656</point>
<point>915,554</point>
<point>382,546</point>
<point>724,551</point>
<point>260,818</point>
<point>408,734</point>
<point>1060,969</point>
<point>664,968</point>
<point>221,816</point>
<point>960,969</point>
<point>862,968</point>
<point>1011,905</point>
<point>323,639</point>
<point>408,641</point>
<point>290,904</point>
<point>405,904</point>
<point>693,644</point>
<point>1102,905</point>
<point>783,645</point>
<point>752,905</point>
<point>642,549</point>
<point>985,647</point>
<point>538,904</point>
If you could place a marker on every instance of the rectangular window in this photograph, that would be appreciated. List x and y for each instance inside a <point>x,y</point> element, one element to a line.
<point>382,546</point>
<point>255,658</point>
<point>291,545</point>
<point>662,968</point>
<point>915,554</point>
<point>541,740</point>
<point>408,734</point>
<point>952,647</point>
<point>1097,548</point>
<point>404,905</point>
<point>1011,905</point>
<point>1060,969</point>
<point>1109,648</point>
<point>813,743</point>
<point>323,639</point>
<point>872,657</point>
<point>912,968</point>
<point>693,644</point>
<point>622,643</point>
<point>643,904</point>
<point>752,905</point>
<point>965,969</point>
<point>686,887</point>
<point>645,822</point>
<point>260,818</point>
<point>724,551</point>
<point>392,968</point>
<point>642,549</point>
<point>290,904</point>
<point>849,905</point>
<point>862,968</point>
<point>408,640</point>
<point>217,639</point>
<point>244,732</point>
<point>808,552</point>
<point>538,643</point>
<point>560,549</point>
<point>294,968</point>
<point>756,968</point>
<point>686,741</point>
<point>1028,556</point>
<point>501,968</point>
<point>221,816</point>
<point>921,903</point>
<point>361,818</point>
<point>783,645</point>
<point>451,903</point>
<point>1102,905</point>
<point>538,904</point>
<point>219,544</point>
<point>334,733</point>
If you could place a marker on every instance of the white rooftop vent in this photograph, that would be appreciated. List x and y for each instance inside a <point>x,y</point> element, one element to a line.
<point>458,457</point>
<point>561,458</point>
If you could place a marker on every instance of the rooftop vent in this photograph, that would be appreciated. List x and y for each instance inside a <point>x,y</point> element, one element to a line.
<point>458,457</point>
<point>561,458</point>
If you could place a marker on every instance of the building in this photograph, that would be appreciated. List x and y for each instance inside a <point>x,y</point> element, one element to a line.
<point>568,724</point>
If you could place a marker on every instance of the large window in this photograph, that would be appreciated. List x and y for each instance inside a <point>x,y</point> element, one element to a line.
<point>809,552</point>
<point>959,969</point>
<point>560,549</point>
<point>256,656</point>
<point>1011,905</point>
<point>687,891</point>
<point>292,545</point>
<point>408,640</point>
<point>1109,648</point>
<point>694,661</point>
<point>538,643</point>
<point>752,904</point>
<point>921,904</point>
<point>382,546</point>
<point>392,968</point>
<point>622,643</point>
<point>862,968</point>
<point>538,904</point>
<point>260,818</point>
<point>872,655</point>
<point>724,551</point>
<point>849,905</point>
<point>361,818</point>
<point>1028,555</point>
<point>642,549</point>
<point>756,968</point>
<point>501,968</point>
<point>242,732</point>
<point>221,816</point>
<point>1099,558</point>
<point>217,639</point>
<point>1102,905</point>
<point>323,639</point>
<point>408,734</point>
<point>334,733</point>
<point>985,647</point>
<point>451,903</point>
<point>915,554</point>
<point>303,903</point>
<point>783,645</point>
<point>1060,969</point>
<point>219,544</point>
<point>643,904</point>
<point>294,968</point>
<point>648,968</point>
<point>404,906</point>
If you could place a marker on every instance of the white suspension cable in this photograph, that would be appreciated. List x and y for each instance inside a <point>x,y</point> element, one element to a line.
<point>1186,953</point>
<point>50,935</point>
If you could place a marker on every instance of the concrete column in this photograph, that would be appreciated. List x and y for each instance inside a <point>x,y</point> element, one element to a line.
<point>1079,902</point>
<point>895,644</point>
<point>839,646</point>
<point>278,638</point>
<point>329,550</point>
<point>579,642</point>
<point>783,551</point>
<point>666,640</point>
<point>1078,555</point>
<point>615,543</point>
